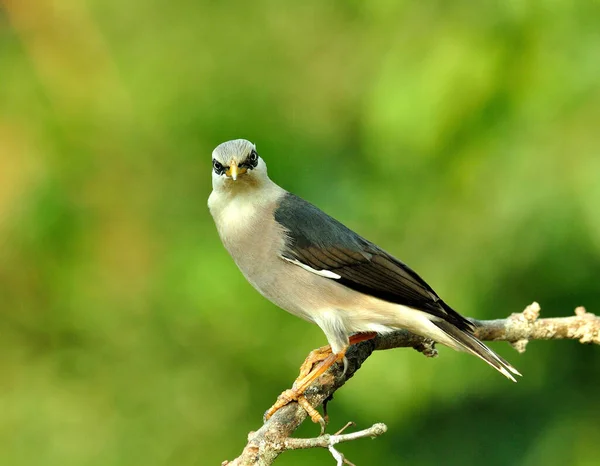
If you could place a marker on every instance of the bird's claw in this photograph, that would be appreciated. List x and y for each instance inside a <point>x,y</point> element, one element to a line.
<point>314,415</point>
<point>291,395</point>
<point>315,365</point>
<point>285,398</point>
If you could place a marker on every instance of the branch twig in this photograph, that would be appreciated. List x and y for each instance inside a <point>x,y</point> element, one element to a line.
<point>273,438</point>
<point>329,441</point>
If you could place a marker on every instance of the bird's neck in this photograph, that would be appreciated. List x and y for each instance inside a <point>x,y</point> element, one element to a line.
<point>242,214</point>
<point>241,199</point>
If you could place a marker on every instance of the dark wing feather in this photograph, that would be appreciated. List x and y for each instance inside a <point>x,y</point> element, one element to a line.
<point>322,243</point>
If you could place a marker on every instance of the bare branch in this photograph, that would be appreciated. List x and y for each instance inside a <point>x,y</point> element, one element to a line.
<point>329,441</point>
<point>325,441</point>
<point>520,328</point>
<point>273,438</point>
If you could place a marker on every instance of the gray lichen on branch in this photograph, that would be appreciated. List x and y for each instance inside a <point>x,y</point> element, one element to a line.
<point>273,438</point>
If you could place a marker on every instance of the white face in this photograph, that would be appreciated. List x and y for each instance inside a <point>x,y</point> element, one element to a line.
<point>236,164</point>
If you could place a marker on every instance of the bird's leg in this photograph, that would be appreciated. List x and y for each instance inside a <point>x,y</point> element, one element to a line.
<point>315,365</point>
<point>314,357</point>
<point>319,354</point>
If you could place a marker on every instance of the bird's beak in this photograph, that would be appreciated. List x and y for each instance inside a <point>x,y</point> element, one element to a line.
<point>233,171</point>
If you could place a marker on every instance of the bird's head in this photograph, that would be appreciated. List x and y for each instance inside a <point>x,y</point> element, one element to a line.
<point>237,163</point>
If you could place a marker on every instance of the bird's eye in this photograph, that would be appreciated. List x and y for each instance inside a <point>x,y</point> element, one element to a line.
<point>217,167</point>
<point>253,159</point>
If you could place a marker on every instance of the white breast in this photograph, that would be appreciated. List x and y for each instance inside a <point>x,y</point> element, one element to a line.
<point>245,223</point>
<point>235,216</point>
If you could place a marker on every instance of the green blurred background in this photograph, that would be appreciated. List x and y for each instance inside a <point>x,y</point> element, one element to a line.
<point>461,136</point>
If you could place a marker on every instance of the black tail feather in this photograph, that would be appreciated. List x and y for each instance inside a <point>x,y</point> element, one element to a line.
<point>468,342</point>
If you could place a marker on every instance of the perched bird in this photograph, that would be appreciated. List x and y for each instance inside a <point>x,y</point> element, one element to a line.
<point>314,267</point>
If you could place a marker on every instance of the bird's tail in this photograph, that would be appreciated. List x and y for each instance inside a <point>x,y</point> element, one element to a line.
<point>468,342</point>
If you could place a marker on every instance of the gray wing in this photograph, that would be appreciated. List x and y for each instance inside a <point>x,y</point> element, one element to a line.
<point>320,242</point>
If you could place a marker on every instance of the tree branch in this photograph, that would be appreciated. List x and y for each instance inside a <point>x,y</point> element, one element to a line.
<point>273,438</point>
<point>329,441</point>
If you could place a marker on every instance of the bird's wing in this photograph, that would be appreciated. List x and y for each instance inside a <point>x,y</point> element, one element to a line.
<point>318,242</point>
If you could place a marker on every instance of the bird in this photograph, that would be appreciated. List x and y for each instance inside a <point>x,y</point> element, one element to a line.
<point>316,268</point>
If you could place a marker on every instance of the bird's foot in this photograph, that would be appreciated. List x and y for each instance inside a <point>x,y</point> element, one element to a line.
<point>294,395</point>
<point>308,374</point>
<point>320,354</point>
<point>314,357</point>
<point>315,365</point>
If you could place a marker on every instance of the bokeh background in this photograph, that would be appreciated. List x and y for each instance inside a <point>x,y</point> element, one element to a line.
<point>461,136</point>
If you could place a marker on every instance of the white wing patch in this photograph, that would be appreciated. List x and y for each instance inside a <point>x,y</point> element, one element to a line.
<point>322,273</point>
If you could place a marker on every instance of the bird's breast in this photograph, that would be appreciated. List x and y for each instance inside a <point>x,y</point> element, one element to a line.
<point>249,233</point>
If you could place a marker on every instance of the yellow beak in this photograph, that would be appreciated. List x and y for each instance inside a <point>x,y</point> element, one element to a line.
<point>233,171</point>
